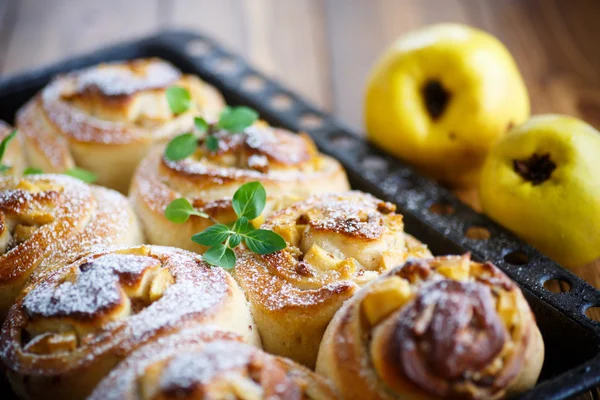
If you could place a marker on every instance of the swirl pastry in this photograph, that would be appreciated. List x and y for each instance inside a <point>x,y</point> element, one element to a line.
<point>336,243</point>
<point>289,167</point>
<point>105,118</point>
<point>201,364</point>
<point>14,156</point>
<point>440,328</point>
<point>67,332</point>
<point>47,218</point>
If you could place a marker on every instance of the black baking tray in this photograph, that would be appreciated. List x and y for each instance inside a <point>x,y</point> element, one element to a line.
<point>572,340</point>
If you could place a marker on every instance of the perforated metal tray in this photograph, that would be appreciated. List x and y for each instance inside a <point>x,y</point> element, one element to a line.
<point>572,340</point>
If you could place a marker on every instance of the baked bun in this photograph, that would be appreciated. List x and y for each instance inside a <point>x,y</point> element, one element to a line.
<point>288,165</point>
<point>336,244</point>
<point>13,156</point>
<point>201,364</point>
<point>105,118</point>
<point>67,332</point>
<point>440,328</point>
<point>48,218</point>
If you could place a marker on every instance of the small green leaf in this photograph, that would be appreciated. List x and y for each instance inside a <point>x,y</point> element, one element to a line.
<point>212,143</point>
<point>3,146</point>
<point>237,119</point>
<point>234,240</point>
<point>249,200</point>
<point>181,146</point>
<point>180,210</point>
<point>4,168</point>
<point>242,225</point>
<point>262,241</point>
<point>32,171</point>
<point>213,235</point>
<point>201,124</point>
<point>179,99</point>
<point>82,174</point>
<point>221,256</point>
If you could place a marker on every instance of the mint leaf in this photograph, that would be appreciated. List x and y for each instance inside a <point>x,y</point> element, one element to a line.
<point>242,225</point>
<point>32,171</point>
<point>180,210</point>
<point>179,99</point>
<point>221,256</point>
<point>212,143</point>
<point>237,119</point>
<point>181,146</point>
<point>213,235</point>
<point>201,124</point>
<point>249,200</point>
<point>234,240</point>
<point>4,146</point>
<point>262,241</point>
<point>82,174</point>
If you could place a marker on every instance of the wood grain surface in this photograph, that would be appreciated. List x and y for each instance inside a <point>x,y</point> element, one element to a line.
<point>324,49</point>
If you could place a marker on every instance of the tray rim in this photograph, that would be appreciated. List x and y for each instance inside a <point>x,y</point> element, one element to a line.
<point>582,377</point>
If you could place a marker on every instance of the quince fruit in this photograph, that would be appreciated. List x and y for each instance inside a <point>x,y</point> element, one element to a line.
<point>441,97</point>
<point>541,182</point>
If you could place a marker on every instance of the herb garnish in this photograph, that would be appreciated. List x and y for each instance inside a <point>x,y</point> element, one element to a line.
<point>79,173</point>
<point>82,174</point>
<point>3,146</point>
<point>231,119</point>
<point>248,203</point>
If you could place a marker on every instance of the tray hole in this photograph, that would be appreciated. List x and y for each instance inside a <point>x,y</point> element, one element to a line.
<point>226,65</point>
<point>342,142</point>
<point>311,121</point>
<point>478,233</point>
<point>374,164</point>
<point>557,286</point>
<point>281,102</point>
<point>516,257</point>
<point>198,48</point>
<point>442,208</point>
<point>593,313</point>
<point>253,83</point>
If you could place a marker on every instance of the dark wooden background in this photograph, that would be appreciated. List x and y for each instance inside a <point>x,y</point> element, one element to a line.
<point>323,49</point>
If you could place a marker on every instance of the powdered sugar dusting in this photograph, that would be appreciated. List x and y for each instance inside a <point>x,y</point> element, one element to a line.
<point>96,289</point>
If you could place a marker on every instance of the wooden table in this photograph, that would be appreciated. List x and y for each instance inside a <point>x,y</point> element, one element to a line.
<point>324,49</point>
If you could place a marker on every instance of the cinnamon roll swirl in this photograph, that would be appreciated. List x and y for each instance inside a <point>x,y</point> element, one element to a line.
<point>68,331</point>
<point>289,167</point>
<point>48,218</point>
<point>201,364</point>
<point>13,158</point>
<point>105,118</point>
<point>440,328</point>
<point>336,244</point>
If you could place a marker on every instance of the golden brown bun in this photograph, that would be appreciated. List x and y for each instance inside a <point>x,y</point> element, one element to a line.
<point>105,118</point>
<point>336,244</point>
<point>67,332</point>
<point>48,218</point>
<point>14,156</point>
<point>288,165</point>
<point>440,328</point>
<point>207,364</point>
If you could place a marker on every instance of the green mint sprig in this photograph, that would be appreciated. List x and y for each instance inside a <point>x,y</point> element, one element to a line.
<point>231,119</point>
<point>248,203</point>
<point>79,173</point>
<point>3,146</point>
